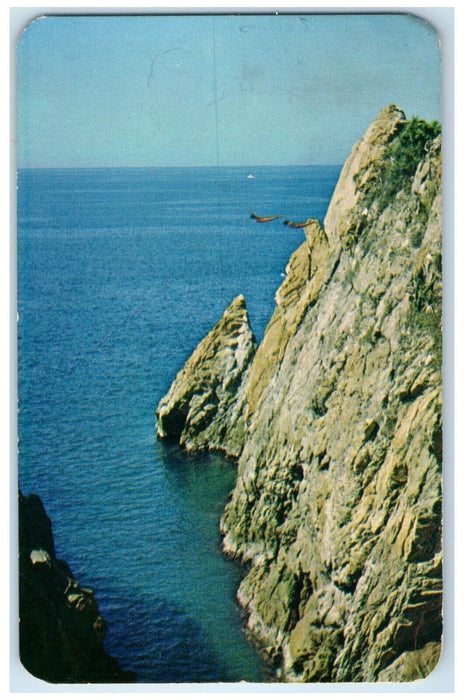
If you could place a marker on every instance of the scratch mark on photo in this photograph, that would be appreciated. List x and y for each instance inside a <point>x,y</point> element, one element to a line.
<point>177,48</point>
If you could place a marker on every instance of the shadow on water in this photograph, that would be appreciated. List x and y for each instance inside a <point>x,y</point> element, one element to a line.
<point>204,480</point>
<point>167,646</point>
<point>201,484</point>
<point>179,619</point>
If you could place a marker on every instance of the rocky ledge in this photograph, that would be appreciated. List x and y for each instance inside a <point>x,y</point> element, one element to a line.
<point>337,426</point>
<point>60,628</point>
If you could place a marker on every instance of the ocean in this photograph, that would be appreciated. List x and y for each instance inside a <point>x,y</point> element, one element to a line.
<point>121,272</point>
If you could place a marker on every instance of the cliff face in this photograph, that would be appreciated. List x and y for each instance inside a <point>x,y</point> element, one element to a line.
<point>337,505</point>
<point>60,628</point>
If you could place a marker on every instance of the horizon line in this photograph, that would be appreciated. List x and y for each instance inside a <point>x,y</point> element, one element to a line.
<point>173,167</point>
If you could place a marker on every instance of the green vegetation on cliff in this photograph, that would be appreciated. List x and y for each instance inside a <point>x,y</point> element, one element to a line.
<point>402,156</point>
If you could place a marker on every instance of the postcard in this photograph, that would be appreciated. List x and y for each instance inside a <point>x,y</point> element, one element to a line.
<point>230,385</point>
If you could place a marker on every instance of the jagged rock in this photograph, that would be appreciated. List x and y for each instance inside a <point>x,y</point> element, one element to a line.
<point>348,211</point>
<point>306,272</point>
<point>413,665</point>
<point>337,504</point>
<point>204,406</point>
<point>60,628</point>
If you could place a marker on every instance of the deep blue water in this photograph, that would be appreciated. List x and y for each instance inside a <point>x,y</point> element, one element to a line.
<point>121,272</point>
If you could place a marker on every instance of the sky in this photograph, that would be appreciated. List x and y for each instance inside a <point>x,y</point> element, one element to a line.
<point>185,90</point>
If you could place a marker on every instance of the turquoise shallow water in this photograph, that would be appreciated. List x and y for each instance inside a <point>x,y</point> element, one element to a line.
<point>121,272</point>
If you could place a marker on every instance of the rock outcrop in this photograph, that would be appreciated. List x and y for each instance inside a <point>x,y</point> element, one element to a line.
<point>337,504</point>
<point>206,404</point>
<point>60,628</point>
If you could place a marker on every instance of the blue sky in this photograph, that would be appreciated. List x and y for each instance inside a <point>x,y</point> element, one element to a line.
<point>216,89</point>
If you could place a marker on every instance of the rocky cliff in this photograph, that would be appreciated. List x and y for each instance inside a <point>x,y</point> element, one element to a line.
<point>337,504</point>
<point>60,628</point>
<point>205,406</point>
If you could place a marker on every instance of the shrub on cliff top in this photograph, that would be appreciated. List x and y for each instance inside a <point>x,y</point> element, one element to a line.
<point>402,157</point>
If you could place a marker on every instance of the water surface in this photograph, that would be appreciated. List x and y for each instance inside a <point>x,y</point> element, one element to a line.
<point>121,272</point>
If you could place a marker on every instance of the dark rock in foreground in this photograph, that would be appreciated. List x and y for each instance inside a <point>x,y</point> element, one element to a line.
<point>60,628</point>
